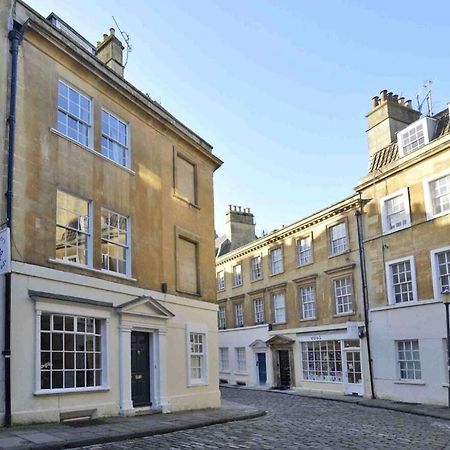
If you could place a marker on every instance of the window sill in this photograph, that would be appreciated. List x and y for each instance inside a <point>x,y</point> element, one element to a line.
<point>90,269</point>
<point>436,216</point>
<point>309,319</point>
<point>279,323</point>
<point>334,255</point>
<point>221,290</point>
<point>197,383</point>
<point>237,286</point>
<point>71,390</point>
<point>415,382</point>
<point>241,373</point>
<point>300,266</point>
<point>256,279</point>
<point>91,150</point>
<point>185,200</point>
<point>388,232</point>
<point>275,274</point>
<point>344,314</point>
<point>227,372</point>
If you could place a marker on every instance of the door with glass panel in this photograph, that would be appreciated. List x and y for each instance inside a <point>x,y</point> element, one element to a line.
<point>353,377</point>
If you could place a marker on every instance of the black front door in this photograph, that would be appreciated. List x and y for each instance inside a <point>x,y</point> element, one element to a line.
<point>262,368</point>
<point>285,369</point>
<point>140,369</point>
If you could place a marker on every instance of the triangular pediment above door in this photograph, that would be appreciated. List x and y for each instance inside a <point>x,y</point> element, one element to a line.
<point>145,306</point>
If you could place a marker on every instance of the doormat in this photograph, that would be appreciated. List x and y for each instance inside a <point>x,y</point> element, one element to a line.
<point>84,423</point>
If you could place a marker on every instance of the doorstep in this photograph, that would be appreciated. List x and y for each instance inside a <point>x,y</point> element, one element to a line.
<point>436,411</point>
<point>63,435</point>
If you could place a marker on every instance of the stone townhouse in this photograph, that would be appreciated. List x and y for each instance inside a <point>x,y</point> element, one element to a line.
<point>291,309</point>
<point>109,308</point>
<point>407,248</point>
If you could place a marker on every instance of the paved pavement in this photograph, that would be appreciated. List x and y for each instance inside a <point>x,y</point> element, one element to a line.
<point>58,436</point>
<point>299,422</point>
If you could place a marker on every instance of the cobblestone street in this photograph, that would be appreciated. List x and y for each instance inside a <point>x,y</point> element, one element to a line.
<point>303,423</point>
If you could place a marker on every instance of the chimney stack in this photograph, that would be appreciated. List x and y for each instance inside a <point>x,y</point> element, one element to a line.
<point>110,52</point>
<point>240,226</point>
<point>389,114</point>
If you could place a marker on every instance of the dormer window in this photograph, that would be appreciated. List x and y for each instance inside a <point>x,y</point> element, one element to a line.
<point>416,135</point>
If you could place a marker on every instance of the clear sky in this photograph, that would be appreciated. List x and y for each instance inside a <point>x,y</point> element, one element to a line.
<point>279,88</point>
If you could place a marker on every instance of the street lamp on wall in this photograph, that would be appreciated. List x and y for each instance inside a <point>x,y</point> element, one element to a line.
<point>445,297</point>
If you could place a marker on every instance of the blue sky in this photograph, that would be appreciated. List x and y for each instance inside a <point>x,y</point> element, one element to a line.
<point>279,88</point>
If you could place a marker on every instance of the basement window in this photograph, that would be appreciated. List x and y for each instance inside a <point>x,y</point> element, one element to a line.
<point>416,135</point>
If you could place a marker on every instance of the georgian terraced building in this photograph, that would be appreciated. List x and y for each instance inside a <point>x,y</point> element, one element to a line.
<point>311,306</point>
<point>112,287</point>
<point>291,310</point>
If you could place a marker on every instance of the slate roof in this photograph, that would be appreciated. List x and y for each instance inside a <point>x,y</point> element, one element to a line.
<point>390,153</point>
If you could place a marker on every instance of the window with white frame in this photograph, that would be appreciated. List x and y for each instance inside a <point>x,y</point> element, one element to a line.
<point>343,294</point>
<point>197,357</point>
<point>73,234</point>
<point>237,275</point>
<point>440,260</point>
<point>256,268</point>
<point>322,361</point>
<point>395,211</point>
<point>401,281</point>
<point>304,251</point>
<point>224,363</point>
<point>221,280</point>
<point>276,260</point>
<point>115,242</point>
<point>307,299</point>
<point>437,196</point>
<point>279,307</point>
<point>338,238</point>
<point>241,362</point>
<point>115,140</point>
<point>409,360</point>
<point>239,314</point>
<point>70,352</point>
<point>258,307</point>
<point>74,114</point>
<point>412,138</point>
<point>222,318</point>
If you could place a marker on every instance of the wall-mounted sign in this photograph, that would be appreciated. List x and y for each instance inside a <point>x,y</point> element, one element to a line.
<point>5,251</point>
<point>352,330</point>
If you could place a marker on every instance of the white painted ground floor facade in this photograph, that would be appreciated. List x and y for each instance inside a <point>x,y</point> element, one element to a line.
<point>80,345</point>
<point>409,350</point>
<point>321,359</point>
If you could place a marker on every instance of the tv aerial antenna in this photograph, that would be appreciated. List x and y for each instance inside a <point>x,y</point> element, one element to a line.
<point>427,99</point>
<point>126,38</point>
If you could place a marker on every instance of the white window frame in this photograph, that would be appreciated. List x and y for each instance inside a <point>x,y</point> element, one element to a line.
<point>429,210</point>
<point>256,269</point>
<point>68,114</point>
<point>308,250</point>
<point>89,234</point>
<point>400,361</point>
<point>241,363</point>
<point>390,283</point>
<point>258,309</point>
<point>222,317</point>
<point>239,315</point>
<point>224,360</point>
<point>279,262</point>
<point>428,127</point>
<point>334,252</point>
<point>220,280</point>
<point>237,275</point>
<point>116,141</point>
<point>202,330</point>
<point>404,193</point>
<point>276,314</point>
<point>70,310</point>
<point>316,368</point>
<point>435,271</point>
<point>336,298</point>
<point>311,301</point>
<point>127,247</point>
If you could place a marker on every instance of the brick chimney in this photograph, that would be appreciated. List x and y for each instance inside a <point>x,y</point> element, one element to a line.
<point>110,52</point>
<point>240,226</point>
<point>389,114</point>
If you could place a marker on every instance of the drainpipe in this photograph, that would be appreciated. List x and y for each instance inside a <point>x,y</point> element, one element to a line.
<point>362,266</point>
<point>15,36</point>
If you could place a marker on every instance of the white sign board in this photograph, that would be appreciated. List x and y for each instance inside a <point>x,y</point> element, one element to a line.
<point>352,330</point>
<point>5,251</point>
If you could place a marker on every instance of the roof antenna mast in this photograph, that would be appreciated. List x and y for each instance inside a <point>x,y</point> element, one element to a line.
<point>126,38</point>
<point>426,92</point>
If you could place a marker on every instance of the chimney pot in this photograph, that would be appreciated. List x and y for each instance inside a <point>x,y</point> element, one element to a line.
<point>408,104</point>
<point>383,95</point>
<point>112,31</point>
<point>105,36</point>
<point>401,100</point>
<point>375,102</point>
<point>395,97</point>
<point>389,96</point>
